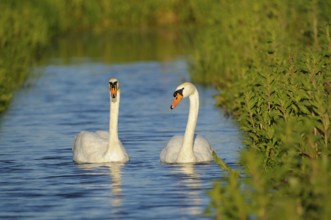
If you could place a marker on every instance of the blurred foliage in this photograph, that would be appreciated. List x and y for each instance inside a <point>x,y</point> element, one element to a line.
<point>23,32</point>
<point>122,46</point>
<point>29,27</point>
<point>272,63</point>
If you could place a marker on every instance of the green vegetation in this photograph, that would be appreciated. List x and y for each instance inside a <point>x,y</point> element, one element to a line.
<point>271,61</point>
<point>30,27</point>
<point>20,43</point>
<point>123,46</point>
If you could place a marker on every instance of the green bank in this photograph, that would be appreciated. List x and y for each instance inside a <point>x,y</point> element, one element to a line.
<point>272,63</point>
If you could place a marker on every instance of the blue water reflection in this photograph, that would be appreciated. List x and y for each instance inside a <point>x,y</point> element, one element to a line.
<point>39,179</point>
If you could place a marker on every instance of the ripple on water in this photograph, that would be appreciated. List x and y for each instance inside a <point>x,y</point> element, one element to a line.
<point>39,178</point>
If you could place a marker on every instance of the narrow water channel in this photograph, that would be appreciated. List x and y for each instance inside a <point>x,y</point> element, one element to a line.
<point>39,180</point>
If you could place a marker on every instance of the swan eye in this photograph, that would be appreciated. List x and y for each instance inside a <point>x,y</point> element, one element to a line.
<point>179,91</point>
<point>113,84</point>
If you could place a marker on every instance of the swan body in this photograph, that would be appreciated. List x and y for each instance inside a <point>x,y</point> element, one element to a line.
<point>102,146</point>
<point>190,148</point>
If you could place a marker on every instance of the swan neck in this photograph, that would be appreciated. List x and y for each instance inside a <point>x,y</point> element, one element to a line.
<point>187,148</point>
<point>113,117</point>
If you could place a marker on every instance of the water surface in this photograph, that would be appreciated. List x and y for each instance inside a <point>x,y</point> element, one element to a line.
<point>39,180</point>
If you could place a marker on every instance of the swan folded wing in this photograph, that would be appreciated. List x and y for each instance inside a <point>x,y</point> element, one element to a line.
<point>88,147</point>
<point>202,149</point>
<point>169,154</point>
<point>102,134</point>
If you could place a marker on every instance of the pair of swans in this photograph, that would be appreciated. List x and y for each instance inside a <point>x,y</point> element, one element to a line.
<point>102,146</point>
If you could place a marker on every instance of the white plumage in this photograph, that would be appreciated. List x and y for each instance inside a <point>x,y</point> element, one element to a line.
<point>102,146</point>
<point>189,148</point>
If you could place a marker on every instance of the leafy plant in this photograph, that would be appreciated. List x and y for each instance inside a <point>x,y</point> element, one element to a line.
<point>276,85</point>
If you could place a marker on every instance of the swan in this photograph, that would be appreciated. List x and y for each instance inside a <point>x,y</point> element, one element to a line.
<point>189,148</point>
<point>102,146</point>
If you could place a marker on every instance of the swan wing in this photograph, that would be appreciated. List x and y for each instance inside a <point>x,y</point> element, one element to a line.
<point>170,152</point>
<point>102,134</point>
<point>89,147</point>
<point>202,149</point>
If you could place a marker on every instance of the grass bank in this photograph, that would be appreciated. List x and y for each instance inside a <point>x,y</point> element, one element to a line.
<point>272,63</point>
<point>23,34</point>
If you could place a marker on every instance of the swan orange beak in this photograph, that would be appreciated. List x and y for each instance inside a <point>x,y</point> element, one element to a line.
<point>113,92</point>
<point>177,99</point>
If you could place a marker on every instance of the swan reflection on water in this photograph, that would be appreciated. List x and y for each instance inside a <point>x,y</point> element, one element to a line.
<point>190,180</point>
<point>115,171</point>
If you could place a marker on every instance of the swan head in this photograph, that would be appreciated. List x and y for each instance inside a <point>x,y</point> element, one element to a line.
<point>114,87</point>
<point>182,91</point>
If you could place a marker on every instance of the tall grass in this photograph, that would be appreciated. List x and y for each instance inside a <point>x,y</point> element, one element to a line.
<point>272,61</point>
<point>23,34</point>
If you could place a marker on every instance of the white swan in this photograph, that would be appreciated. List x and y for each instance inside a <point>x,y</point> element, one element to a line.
<point>101,146</point>
<point>189,148</point>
